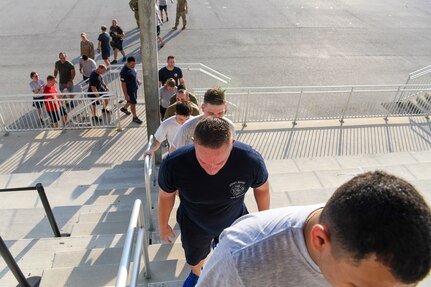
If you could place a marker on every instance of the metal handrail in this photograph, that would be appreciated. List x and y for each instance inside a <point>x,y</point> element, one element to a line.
<point>14,268</point>
<point>149,168</point>
<point>140,245</point>
<point>267,104</point>
<point>42,195</point>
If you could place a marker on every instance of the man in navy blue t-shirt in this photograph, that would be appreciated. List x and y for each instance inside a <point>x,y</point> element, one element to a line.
<point>129,85</point>
<point>96,86</point>
<point>212,177</point>
<point>171,71</point>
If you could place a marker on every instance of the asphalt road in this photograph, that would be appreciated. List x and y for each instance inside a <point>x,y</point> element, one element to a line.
<point>256,43</point>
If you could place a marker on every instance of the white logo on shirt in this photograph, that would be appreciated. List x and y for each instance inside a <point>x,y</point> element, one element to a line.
<point>237,189</point>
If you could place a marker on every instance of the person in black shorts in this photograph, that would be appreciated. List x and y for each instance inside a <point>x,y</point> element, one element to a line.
<point>117,35</point>
<point>129,85</point>
<point>212,177</point>
<point>96,85</point>
<point>103,45</point>
<point>171,71</point>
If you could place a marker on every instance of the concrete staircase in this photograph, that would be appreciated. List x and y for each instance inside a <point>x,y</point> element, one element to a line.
<point>95,205</point>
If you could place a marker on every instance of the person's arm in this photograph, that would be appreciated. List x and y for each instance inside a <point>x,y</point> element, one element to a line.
<point>91,50</point>
<point>72,73</point>
<point>187,7</point>
<point>99,44</point>
<point>154,147</point>
<point>124,88</point>
<point>261,194</point>
<point>82,48</point>
<point>166,203</point>
<point>105,86</point>
<point>55,71</point>
<point>80,67</point>
<point>94,90</point>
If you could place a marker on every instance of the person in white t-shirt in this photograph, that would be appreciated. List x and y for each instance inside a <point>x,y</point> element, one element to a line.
<point>214,105</point>
<point>36,86</point>
<point>375,230</point>
<point>169,127</point>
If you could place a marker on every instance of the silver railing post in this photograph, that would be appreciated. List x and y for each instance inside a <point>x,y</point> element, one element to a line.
<point>347,105</point>
<point>148,171</point>
<point>392,105</point>
<point>297,108</point>
<point>140,242</point>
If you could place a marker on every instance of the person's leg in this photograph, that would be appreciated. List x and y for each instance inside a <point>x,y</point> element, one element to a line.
<point>115,54</point>
<point>183,15</point>
<point>166,12</point>
<point>133,110</point>
<point>39,112</point>
<point>197,269</point>
<point>177,21</point>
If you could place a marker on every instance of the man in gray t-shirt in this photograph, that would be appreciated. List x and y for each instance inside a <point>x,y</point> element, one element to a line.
<point>375,230</point>
<point>214,105</point>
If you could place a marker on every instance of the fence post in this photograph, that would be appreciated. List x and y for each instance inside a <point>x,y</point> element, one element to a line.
<point>48,210</point>
<point>393,104</point>
<point>14,268</point>
<point>244,124</point>
<point>297,107</point>
<point>347,105</point>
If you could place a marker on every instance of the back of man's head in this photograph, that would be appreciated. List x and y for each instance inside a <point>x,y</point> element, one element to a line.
<point>131,59</point>
<point>212,133</point>
<point>214,97</point>
<point>183,109</point>
<point>85,57</point>
<point>377,214</point>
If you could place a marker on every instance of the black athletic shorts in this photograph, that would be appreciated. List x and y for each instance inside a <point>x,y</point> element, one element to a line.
<point>132,99</point>
<point>38,102</point>
<point>56,115</point>
<point>117,45</point>
<point>196,241</point>
<point>163,7</point>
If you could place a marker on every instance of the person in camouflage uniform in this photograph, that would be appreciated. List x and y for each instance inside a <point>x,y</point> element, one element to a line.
<point>134,6</point>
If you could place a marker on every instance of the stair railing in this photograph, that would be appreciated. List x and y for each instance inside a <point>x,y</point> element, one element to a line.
<point>14,268</point>
<point>149,169</point>
<point>139,244</point>
<point>42,195</point>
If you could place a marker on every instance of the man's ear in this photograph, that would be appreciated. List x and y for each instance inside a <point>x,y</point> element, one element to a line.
<point>319,238</point>
<point>203,107</point>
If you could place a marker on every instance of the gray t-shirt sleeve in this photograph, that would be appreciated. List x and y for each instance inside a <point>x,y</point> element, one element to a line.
<point>220,271</point>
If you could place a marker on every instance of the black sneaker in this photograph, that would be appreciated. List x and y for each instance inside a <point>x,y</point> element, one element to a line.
<point>124,59</point>
<point>96,119</point>
<point>137,120</point>
<point>114,62</point>
<point>105,111</point>
<point>125,111</point>
<point>167,19</point>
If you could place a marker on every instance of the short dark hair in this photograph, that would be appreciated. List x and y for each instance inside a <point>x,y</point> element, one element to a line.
<point>50,78</point>
<point>379,214</point>
<point>183,108</point>
<point>170,57</point>
<point>103,28</point>
<point>85,57</point>
<point>32,74</point>
<point>215,97</point>
<point>131,59</point>
<point>212,132</point>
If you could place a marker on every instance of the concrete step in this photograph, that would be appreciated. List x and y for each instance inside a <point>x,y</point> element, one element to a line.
<point>106,274</point>
<point>35,255</point>
<point>96,256</point>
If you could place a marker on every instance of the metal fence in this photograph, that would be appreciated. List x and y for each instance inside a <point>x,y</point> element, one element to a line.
<point>268,104</point>
<point>17,112</point>
<point>416,79</point>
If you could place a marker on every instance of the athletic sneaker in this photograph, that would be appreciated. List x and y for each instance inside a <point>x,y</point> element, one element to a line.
<point>191,280</point>
<point>114,62</point>
<point>137,120</point>
<point>124,59</point>
<point>97,119</point>
<point>105,111</point>
<point>125,111</point>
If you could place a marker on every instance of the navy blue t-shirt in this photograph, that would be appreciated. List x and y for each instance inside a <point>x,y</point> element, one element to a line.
<point>129,77</point>
<point>95,80</point>
<point>165,74</point>
<point>104,39</point>
<point>212,202</point>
